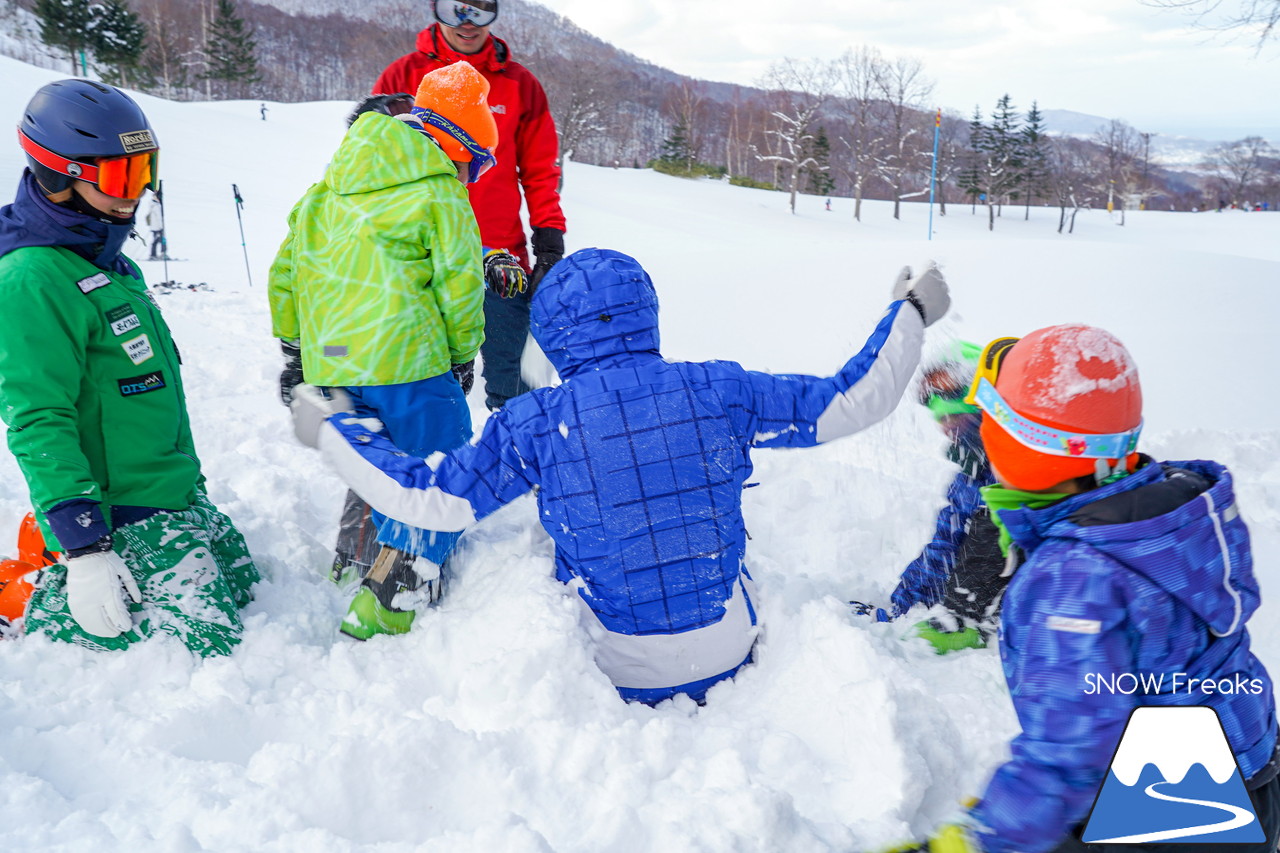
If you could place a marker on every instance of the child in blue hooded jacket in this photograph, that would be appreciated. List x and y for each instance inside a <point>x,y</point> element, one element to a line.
<point>1122,566</point>
<point>639,464</point>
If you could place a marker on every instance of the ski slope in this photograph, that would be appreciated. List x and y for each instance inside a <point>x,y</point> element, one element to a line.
<point>488,728</point>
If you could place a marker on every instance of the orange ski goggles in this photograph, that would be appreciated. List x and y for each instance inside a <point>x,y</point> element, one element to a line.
<point>119,177</point>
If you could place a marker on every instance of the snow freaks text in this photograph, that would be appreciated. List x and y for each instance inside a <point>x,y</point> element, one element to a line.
<point>1150,683</point>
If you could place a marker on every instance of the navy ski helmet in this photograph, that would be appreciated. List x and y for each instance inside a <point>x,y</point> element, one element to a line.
<point>82,130</point>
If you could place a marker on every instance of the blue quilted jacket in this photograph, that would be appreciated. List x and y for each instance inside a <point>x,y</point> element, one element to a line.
<point>1109,588</point>
<point>639,463</point>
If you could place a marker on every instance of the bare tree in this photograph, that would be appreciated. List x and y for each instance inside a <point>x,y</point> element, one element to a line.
<point>1070,174</point>
<point>580,94</point>
<point>857,75</point>
<point>1121,162</point>
<point>903,87</point>
<point>1240,166</point>
<point>800,89</point>
<point>952,148</point>
<point>1262,16</point>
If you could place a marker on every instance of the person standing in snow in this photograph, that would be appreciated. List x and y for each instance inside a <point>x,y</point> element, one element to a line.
<point>1124,566</point>
<point>155,224</point>
<point>527,165</point>
<point>378,289</point>
<point>962,568</point>
<point>91,390</point>
<point>638,464</point>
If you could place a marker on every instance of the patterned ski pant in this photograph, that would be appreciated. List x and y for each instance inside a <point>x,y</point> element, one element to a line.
<point>195,574</point>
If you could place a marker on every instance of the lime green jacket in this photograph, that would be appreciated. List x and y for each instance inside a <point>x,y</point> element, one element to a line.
<point>90,387</point>
<point>381,276</point>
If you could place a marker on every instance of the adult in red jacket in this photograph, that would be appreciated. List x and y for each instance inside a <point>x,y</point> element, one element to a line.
<point>527,153</point>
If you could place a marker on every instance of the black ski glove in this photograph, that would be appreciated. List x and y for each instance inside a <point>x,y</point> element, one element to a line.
<point>465,373</point>
<point>291,375</point>
<point>503,273</point>
<point>548,249</point>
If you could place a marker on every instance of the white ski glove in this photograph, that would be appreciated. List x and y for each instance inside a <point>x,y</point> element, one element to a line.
<point>96,588</point>
<point>312,406</point>
<point>928,292</point>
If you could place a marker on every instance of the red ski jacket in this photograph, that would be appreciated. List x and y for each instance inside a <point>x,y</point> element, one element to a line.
<point>527,143</point>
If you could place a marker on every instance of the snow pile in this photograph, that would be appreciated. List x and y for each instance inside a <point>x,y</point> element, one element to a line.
<point>488,727</point>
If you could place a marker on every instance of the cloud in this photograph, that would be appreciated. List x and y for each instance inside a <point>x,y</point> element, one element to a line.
<point>1108,57</point>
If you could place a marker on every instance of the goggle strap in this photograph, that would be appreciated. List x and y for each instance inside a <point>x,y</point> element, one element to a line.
<point>56,162</point>
<point>440,122</point>
<point>1051,440</point>
<point>480,156</point>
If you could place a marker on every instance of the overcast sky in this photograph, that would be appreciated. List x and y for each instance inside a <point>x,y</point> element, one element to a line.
<point>1111,58</point>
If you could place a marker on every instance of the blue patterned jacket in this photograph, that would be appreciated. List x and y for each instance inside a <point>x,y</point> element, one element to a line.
<point>639,463</point>
<point>1150,575</point>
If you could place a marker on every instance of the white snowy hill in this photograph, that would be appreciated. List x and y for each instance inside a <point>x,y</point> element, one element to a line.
<point>488,728</point>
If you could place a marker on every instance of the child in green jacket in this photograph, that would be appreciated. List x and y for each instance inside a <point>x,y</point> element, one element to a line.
<point>91,392</point>
<point>378,289</point>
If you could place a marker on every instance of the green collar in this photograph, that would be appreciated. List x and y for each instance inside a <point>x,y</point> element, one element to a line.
<point>1000,497</point>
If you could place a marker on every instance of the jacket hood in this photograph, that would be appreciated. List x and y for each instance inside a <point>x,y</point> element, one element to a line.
<point>379,152</point>
<point>1195,546</point>
<point>595,309</point>
<point>33,220</point>
<point>492,57</point>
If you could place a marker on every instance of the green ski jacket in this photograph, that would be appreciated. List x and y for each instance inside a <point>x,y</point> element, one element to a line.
<point>90,387</point>
<point>381,276</point>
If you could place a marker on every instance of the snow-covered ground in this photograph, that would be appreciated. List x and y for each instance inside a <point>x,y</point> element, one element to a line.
<point>488,728</point>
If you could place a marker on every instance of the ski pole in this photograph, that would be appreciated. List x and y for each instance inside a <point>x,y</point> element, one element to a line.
<point>240,204</point>
<point>164,234</point>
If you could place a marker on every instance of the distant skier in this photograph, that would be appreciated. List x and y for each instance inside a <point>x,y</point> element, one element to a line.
<point>378,288</point>
<point>155,224</point>
<point>1129,567</point>
<point>91,390</point>
<point>262,111</point>
<point>962,567</point>
<point>638,464</point>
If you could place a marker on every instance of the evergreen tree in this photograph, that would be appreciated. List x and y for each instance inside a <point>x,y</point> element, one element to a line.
<point>970,179</point>
<point>117,37</point>
<point>232,51</point>
<point>1001,150</point>
<point>677,152</point>
<point>819,173</point>
<point>1035,157</point>
<point>66,24</point>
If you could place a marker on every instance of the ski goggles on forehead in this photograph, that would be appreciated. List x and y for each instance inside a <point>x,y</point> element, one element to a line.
<point>478,13</point>
<point>989,362</point>
<point>1050,440</point>
<point>482,159</point>
<point>119,177</point>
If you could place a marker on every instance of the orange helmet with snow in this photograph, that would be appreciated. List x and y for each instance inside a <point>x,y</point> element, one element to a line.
<point>1066,403</point>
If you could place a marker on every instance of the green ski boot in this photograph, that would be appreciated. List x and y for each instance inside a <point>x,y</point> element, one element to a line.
<point>367,617</point>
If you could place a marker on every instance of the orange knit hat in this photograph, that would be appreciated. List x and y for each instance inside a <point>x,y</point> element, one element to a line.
<point>1075,378</point>
<point>460,94</point>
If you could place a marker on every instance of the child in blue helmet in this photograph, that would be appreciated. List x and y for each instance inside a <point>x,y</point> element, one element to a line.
<point>638,463</point>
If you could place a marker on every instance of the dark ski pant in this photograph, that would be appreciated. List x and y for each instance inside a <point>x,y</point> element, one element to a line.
<point>506,326</point>
<point>1266,804</point>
